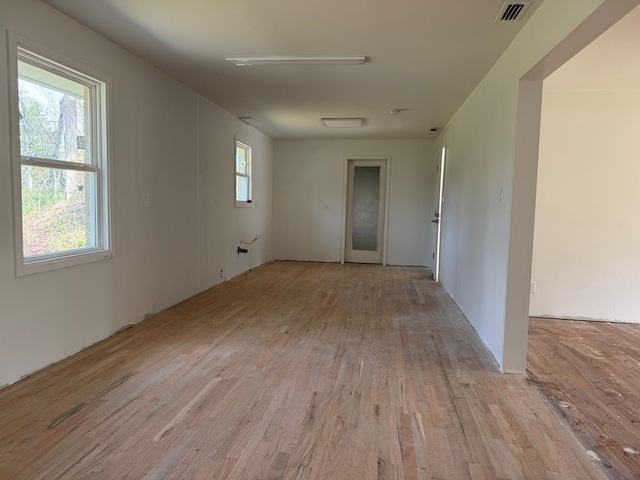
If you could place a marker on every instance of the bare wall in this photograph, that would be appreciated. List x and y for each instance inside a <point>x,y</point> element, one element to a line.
<point>159,251</point>
<point>586,257</point>
<point>222,225</point>
<point>309,192</point>
<point>486,257</point>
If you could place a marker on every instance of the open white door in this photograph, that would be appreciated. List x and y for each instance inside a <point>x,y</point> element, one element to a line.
<point>366,198</point>
<point>437,215</point>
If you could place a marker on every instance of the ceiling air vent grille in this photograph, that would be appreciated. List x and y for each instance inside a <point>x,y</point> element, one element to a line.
<point>511,11</point>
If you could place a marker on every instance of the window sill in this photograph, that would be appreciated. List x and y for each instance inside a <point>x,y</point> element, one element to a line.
<point>69,260</point>
<point>244,204</point>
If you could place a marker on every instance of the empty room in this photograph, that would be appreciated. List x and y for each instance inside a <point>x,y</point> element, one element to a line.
<point>293,240</point>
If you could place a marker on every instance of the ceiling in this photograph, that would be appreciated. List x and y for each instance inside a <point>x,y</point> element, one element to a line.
<point>425,56</point>
<point>612,61</point>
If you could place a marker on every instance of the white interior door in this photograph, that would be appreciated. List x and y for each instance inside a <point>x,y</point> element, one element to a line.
<point>437,215</point>
<point>366,198</point>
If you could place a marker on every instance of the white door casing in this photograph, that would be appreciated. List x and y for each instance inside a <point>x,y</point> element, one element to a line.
<point>437,215</point>
<point>365,234</point>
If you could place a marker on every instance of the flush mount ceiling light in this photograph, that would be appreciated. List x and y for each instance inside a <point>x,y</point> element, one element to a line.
<point>343,122</point>
<point>297,60</point>
<point>251,121</point>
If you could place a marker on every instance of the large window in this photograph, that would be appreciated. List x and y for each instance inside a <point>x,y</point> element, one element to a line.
<point>243,174</point>
<point>60,164</point>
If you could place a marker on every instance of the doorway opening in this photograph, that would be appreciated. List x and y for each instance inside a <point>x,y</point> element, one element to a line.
<point>525,169</point>
<point>366,211</point>
<point>584,306</point>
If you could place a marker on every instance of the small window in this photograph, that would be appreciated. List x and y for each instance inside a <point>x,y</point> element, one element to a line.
<point>59,166</point>
<point>243,174</point>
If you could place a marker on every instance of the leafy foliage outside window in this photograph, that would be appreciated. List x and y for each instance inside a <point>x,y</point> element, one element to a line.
<point>55,213</point>
<point>51,121</point>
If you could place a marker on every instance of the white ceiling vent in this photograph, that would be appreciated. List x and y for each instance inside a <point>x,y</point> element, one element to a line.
<point>511,11</point>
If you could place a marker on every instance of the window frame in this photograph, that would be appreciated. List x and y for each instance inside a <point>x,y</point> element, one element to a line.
<point>249,176</point>
<point>22,49</point>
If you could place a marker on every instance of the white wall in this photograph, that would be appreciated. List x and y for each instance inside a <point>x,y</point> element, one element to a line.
<point>154,149</point>
<point>309,188</point>
<point>487,244</point>
<point>222,225</point>
<point>586,257</point>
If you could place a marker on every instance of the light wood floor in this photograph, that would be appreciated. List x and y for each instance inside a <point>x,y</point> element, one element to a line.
<point>293,371</point>
<point>591,373</point>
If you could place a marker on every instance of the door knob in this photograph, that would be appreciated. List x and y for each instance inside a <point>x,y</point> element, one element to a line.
<point>435,220</point>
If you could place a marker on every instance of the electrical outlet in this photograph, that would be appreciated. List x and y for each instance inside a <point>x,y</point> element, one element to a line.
<point>221,273</point>
<point>532,288</point>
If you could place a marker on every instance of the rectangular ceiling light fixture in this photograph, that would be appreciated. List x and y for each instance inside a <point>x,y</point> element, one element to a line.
<point>251,121</point>
<point>343,122</point>
<point>297,60</point>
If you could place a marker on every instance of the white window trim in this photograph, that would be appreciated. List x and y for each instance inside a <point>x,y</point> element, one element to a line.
<point>101,128</point>
<point>237,203</point>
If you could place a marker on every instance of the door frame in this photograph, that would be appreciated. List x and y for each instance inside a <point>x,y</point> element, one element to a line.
<point>441,158</point>
<point>525,173</point>
<point>357,255</point>
<point>387,190</point>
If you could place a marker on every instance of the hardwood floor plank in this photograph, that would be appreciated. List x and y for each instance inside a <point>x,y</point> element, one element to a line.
<point>298,371</point>
<point>590,371</point>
